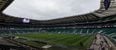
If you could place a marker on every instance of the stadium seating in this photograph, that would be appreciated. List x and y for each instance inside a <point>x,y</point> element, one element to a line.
<point>82,30</point>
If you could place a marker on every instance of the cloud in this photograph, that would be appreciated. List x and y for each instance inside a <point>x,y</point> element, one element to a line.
<point>51,9</point>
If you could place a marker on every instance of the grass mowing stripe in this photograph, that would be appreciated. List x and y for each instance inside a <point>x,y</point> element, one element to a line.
<point>89,41</point>
<point>77,43</point>
<point>64,39</point>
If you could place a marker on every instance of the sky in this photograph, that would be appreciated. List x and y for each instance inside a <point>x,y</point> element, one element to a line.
<point>50,9</point>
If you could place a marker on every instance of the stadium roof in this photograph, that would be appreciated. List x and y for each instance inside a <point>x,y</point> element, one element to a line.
<point>104,13</point>
<point>101,13</point>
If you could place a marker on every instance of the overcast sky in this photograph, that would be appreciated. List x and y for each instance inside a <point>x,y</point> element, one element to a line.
<point>51,9</point>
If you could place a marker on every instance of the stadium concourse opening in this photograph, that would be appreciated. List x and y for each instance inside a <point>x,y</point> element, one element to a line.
<point>92,31</point>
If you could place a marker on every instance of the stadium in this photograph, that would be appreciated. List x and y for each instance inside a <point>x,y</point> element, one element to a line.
<point>91,31</point>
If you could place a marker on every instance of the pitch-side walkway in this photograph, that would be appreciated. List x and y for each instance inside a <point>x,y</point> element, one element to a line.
<point>99,43</point>
<point>4,42</point>
<point>111,45</point>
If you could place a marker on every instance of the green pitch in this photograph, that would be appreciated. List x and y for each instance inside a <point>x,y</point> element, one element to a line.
<point>70,40</point>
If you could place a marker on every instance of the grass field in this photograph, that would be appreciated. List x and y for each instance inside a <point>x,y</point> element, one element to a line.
<point>70,40</point>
